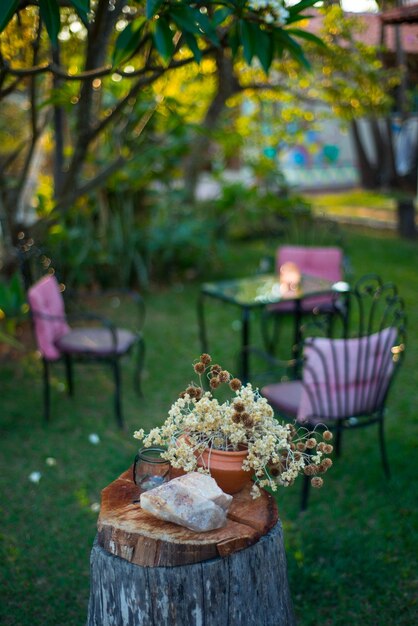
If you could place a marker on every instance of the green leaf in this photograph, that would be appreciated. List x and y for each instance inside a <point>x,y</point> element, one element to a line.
<point>301,6</point>
<point>163,38</point>
<point>82,8</point>
<point>193,45</point>
<point>50,13</point>
<point>265,49</point>
<point>7,9</point>
<point>248,40</point>
<point>128,40</point>
<point>152,8</point>
<point>185,18</point>
<point>298,18</point>
<point>207,27</point>
<point>298,32</point>
<point>286,42</point>
<point>220,16</point>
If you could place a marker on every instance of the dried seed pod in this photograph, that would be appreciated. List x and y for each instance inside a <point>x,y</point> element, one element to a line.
<point>317,482</point>
<point>224,376</point>
<point>235,384</point>
<point>199,368</point>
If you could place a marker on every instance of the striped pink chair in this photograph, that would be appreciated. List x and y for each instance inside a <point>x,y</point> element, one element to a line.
<point>322,262</point>
<point>56,339</point>
<point>345,381</point>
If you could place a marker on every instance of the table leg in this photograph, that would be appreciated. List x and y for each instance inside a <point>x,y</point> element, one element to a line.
<point>297,338</point>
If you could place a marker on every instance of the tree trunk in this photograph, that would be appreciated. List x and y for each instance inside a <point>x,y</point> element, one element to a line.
<point>367,170</point>
<point>198,155</point>
<point>247,588</point>
<point>406,219</point>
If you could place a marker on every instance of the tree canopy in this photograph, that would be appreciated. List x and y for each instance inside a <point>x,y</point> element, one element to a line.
<point>81,69</point>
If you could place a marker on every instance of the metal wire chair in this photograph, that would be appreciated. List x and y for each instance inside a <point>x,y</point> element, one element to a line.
<point>81,336</point>
<point>346,375</point>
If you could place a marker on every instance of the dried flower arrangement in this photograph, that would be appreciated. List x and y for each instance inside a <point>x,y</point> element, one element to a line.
<point>277,452</point>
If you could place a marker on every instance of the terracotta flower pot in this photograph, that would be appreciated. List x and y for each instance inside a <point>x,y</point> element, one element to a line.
<point>226,468</point>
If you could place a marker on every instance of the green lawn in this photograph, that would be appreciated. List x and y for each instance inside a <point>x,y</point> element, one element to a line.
<point>352,556</point>
<point>356,205</point>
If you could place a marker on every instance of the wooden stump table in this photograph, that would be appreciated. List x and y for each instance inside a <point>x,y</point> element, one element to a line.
<point>146,572</point>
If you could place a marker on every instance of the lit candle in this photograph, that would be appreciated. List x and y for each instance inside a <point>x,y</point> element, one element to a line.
<point>289,278</point>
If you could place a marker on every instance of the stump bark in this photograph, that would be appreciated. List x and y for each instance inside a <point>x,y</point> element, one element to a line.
<point>147,572</point>
<point>247,588</point>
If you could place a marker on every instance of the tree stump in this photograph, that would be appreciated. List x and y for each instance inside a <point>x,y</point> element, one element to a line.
<point>145,572</point>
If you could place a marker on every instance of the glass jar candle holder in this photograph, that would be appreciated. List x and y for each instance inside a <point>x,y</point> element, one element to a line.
<point>150,469</point>
<point>289,278</point>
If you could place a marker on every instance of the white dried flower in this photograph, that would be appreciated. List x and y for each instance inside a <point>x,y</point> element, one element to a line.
<point>195,425</point>
<point>271,11</point>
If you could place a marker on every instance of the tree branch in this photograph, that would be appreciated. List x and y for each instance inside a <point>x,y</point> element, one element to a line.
<point>140,84</point>
<point>56,70</point>
<point>97,45</point>
<point>92,184</point>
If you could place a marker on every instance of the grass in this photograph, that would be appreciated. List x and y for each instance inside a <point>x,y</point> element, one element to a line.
<point>356,205</point>
<point>351,556</point>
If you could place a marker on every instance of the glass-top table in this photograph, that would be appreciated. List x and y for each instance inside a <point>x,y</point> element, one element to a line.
<point>257,292</point>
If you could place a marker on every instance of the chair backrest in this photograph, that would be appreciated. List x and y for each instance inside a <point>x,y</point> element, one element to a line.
<point>322,262</point>
<point>350,376</point>
<point>48,312</point>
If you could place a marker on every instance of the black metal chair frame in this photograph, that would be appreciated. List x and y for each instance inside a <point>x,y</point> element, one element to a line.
<point>385,309</point>
<point>113,359</point>
<point>28,252</point>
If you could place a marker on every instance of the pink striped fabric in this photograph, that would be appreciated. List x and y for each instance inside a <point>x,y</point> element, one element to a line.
<point>47,305</point>
<point>345,377</point>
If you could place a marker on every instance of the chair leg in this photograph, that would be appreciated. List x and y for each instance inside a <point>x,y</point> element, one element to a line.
<point>118,401</point>
<point>383,454</point>
<point>338,439</point>
<point>139,366</point>
<point>47,393</point>
<point>306,485</point>
<point>69,373</point>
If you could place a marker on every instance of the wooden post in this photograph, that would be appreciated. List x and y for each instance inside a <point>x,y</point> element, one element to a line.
<point>406,219</point>
<point>247,588</point>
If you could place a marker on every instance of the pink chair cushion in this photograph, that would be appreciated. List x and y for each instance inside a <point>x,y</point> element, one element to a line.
<point>96,342</point>
<point>285,397</point>
<point>47,305</point>
<point>345,377</point>
<point>322,262</point>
